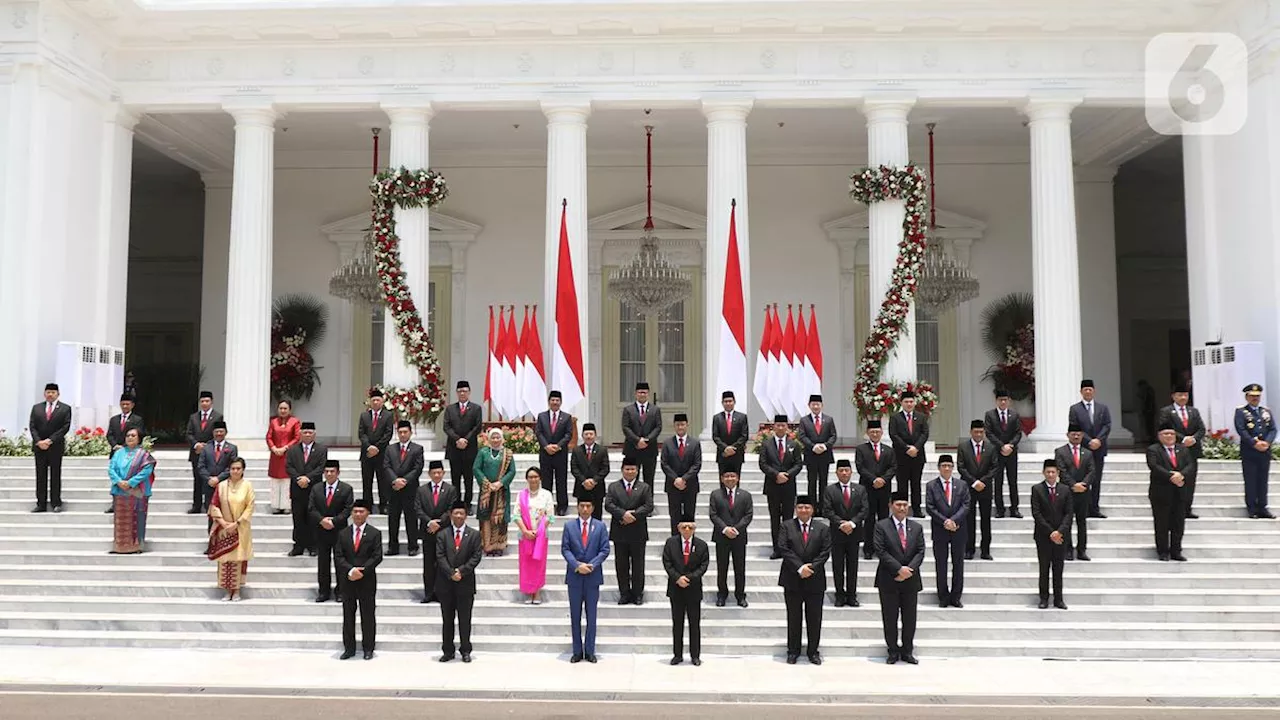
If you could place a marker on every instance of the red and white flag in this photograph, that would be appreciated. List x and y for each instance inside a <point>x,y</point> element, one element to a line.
<point>813,366</point>
<point>490,363</point>
<point>732,373</point>
<point>777,373</point>
<point>800,374</point>
<point>764,366</point>
<point>786,389</point>
<point>522,365</point>
<point>568,373</point>
<point>500,370</point>
<point>535,385</point>
<point>511,358</point>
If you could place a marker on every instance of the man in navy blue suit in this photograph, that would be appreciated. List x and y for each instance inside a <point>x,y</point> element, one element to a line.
<point>1094,420</point>
<point>585,546</point>
<point>1257,430</point>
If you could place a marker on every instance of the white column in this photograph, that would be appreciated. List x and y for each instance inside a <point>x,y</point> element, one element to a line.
<point>247,391</point>
<point>1055,273</point>
<point>726,182</point>
<point>410,125</point>
<point>567,180</point>
<point>113,246</point>
<point>1199,165</point>
<point>887,145</point>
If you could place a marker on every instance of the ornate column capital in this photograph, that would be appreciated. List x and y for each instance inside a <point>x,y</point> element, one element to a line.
<point>408,112</point>
<point>566,111</point>
<point>1049,108</point>
<point>253,114</point>
<point>727,110</point>
<point>887,108</point>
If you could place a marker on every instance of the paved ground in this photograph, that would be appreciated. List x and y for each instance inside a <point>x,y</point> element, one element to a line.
<point>39,706</point>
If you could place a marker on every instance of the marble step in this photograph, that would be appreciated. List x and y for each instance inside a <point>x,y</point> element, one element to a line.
<point>612,649</point>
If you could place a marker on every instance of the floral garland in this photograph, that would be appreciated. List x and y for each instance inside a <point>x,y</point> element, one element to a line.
<point>293,371</point>
<point>1016,373</point>
<point>871,396</point>
<point>408,189</point>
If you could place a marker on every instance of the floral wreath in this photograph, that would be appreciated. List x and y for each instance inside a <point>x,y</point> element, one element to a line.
<point>871,395</point>
<point>407,189</point>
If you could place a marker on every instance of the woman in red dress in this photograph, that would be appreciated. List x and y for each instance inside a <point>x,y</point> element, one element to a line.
<point>283,431</point>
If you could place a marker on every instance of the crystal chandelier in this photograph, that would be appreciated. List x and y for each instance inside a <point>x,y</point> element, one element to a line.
<point>650,283</point>
<point>943,283</point>
<point>357,280</point>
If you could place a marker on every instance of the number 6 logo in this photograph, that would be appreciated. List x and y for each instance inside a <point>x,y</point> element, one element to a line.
<point>1196,84</point>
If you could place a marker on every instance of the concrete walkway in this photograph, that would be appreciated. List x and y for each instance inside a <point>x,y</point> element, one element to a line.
<point>645,678</point>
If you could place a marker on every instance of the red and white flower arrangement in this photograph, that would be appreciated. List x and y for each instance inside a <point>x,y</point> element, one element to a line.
<point>297,325</point>
<point>406,188</point>
<point>871,396</point>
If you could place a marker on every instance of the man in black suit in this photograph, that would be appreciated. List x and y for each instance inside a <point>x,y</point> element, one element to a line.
<point>685,558</point>
<point>1004,429</point>
<point>554,430</point>
<point>357,554</point>
<point>405,462</point>
<point>950,510</point>
<point>629,503</point>
<point>1190,429</point>
<point>1094,420</point>
<point>329,509</point>
<point>899,543</point>
<point>376,428</point>
<point>877,465</point>
<point>1168,461</point>
<point>590,466</point>
<point>199,434</point>
<point>732,510</point>
<point>780,461</point>
<point>846,510</point>
<point>817,435</point>
<point>49,424</point>
<point>641,426</point>
<point>729,432</point>
<point>909,431</point>
<point>120,424</point>
<point>304,462</point>
<point>1051,510</point>
<point>805,546</point>
<point>462,423</point>
<point>458,552</point>
<point>431,507</point>
<point>681,461</point>
<point>214,463</point>
<point>1076,468</point>
<point>978,468</point>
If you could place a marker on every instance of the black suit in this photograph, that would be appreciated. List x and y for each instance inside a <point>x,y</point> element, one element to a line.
<point>732,433</point>
<point>378,436</point>
<point>738,515</point>
<point>686,602</point>
<point>629,539</point>
<point>116,429</point>
<point>298,463</point>
<point>1168,501</point>
<point>804,596</point>
<point>401,501</point>
<point>899,597</point>
<point>465,426</point>
<point>903,435</point>
<point>200,431</point>
<point>635,427</point>
<point>974,469</point>
<point>817,465</point>
<point>1071,473</point>
<point>844,546</point>
<point>593,466</point>
<point>360,593</point>
<point>681,464</point>
<point>781,497</point>
<point>52,426</point>
<point>427,506</point>
<point>1195,428</point>
<point>948,544</point>
<point>1098,428</point>
<point>555,468</point>
<point>339,508</point>
<point>1008,432</point>
<point>1051,514</point>
<point>215,463</point>
<point>869,468</point>
<point>457,597</point>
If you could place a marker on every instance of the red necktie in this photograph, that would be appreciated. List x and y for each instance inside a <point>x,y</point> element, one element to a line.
<point>876,448</point>
<point>48,412</point>
<point>728,421</point>
<point>977,451</point>
<point>846,497</point>
<point>804,533</point>
<point>588,452</point>
<point>817,423</point>
<point>328,499</point>
<point>1173,458</point>
<point>553,421</point>
<point>586,530</point>
<point>1183,412</point>
<point>947,486</point>
<point>217,452</point>
<point>782,449</point>
<point>375,419</point>
<point>641,413</point>
<point>435,494</point>
<point>1053,493</point>
<point>123,419</point>
<point>730,499</point>
<point>628,486</point>
<point>1075,450</point>
<point>686,552</point>
<point>1003,419</point>
<point>357,544</point>
<point>204,418</point>
<point>457,540</point>
<point>403,450</point>
<point>680,450</point>
<point>902,535</point>
<point>911,425</point>
<point>306,454</point>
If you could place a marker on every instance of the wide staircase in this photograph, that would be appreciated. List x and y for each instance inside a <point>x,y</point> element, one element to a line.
<point>59,585</point>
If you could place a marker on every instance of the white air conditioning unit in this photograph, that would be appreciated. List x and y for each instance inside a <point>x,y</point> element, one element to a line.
<point>1204,384</point>
<point>1219,374</point>
<point>76,373</point>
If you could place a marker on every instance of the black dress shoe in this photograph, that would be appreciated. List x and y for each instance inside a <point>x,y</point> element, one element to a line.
<point>1082,555</point>
<point>39,509</point>
<point>697,662</point>
<point>742,602</point>
<point>892,659</point>
<point>1059,604</point>
<point>1097,515</point>
<point>944,603</point>
<point>1044,603</point>
<point>1163,557</point>
<point>1015,514</point>
<point>910,659</point>
<point>791,659</point>
<point>624,600</point>
<point>324,598</point>
<point>466,657</point>
<point>1070,554</point>
<point>987,556</point>
<point>577,658</point>
<point>194,511</point>
<point>393,551</point>
<point>57,508</point>
<point>720,601</point>
<point>917,514</point>
<point>839,601</point>
<point>1265,514</point>
<point>295,552</point>
<point>677,660</point>
<point>337,597</point>
<point>590,658</point>
<point>1192,516</point>
<point>414,552</point>
<point>347,654</point>
<point>957,604</point>
<point>968,555</point>
<point>639,599</point>
<point>1252,515</point>
<point>815,659</point>
<point>866,556</point>
<point>775,555</point>
<point>311,552</point>
<point>561,512</point>
<point>446,658</point>
<point>110,511</point>
<point>1177,556</point>
<point>368,654</point>
<point>999,512</point>
<point>853,602</point>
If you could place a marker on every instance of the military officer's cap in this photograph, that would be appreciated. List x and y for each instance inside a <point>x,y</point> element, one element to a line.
<point>1253,389</point>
